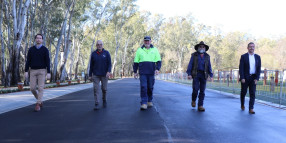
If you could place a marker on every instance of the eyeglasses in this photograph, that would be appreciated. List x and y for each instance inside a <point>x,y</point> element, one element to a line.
<point>98,44</point>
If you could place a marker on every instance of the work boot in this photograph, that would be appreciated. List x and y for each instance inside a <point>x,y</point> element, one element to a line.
<point>104,103</point>
<point>251,111</point>
<point>37,107</point>
<point>41,105</point>
<point>201,108</point>
<point>96,107</point>
<point>150,104</point>
<point>242,107</point>
<point>193,103</point>
<point>143,107</point>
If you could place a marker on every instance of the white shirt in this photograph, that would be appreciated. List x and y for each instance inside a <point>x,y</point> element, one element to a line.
<point>251,64</point>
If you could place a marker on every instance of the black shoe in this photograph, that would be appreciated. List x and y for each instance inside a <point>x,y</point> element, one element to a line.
<point>96,107</point>
<point>104,103</point>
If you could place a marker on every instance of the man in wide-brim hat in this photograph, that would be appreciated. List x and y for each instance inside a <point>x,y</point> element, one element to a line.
<point>199,69</point>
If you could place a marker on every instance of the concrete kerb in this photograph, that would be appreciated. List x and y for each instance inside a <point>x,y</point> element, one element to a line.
<point>16,100</point>
<point>238,96</point>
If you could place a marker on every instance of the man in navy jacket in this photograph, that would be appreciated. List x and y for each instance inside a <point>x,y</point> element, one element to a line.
<point>100,68</point>
<point>249,71</point>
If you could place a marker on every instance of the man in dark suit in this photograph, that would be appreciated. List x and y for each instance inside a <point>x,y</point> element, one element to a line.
<point>249,70</point>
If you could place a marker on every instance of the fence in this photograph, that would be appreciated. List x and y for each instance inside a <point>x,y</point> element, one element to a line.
<point>269,88</point>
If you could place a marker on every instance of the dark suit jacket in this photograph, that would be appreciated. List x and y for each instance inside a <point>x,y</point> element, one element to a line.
<point>244,66</point>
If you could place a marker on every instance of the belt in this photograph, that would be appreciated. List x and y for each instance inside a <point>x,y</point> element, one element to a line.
<point>199,71</point>
<point>251,74</point>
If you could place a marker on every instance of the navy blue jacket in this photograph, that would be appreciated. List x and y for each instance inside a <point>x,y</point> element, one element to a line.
<point>244,68</point>
<point>100,63</point>
<point>38,59</point>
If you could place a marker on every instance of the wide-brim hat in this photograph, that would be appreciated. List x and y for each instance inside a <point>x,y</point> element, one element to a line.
<point>201,43</point>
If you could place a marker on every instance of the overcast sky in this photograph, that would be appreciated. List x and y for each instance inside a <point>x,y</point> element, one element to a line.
<point>261,18</point>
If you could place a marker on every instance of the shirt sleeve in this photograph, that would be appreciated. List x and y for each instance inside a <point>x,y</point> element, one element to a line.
<point>190,66</point>
<point>158,60</point>
<point>28,61</point>
<point>210,69</point>
<point>48,61</point>
<point>241,68</point>
<point>90,66</point>
<point>109,62</point>
<point>136,62</point>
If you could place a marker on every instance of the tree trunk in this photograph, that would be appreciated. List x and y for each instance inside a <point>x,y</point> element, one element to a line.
<point>124,56</point>
<point>115,53</point>
<point>7,15</point>
<point>32,34</point>
<point>72,59</point>
<point>77,61</point>
<point>3,79</point>
<point>67,46</point>
<point>58,47</point>
<point>18,36</point>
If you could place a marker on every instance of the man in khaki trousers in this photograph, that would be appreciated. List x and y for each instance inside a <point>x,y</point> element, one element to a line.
<point>38,62</point>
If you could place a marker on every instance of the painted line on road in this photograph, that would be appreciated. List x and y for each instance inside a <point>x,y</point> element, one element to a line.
<point>170,139</point>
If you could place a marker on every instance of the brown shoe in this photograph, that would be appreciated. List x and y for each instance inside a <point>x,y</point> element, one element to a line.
<point>251,111</point>
<point>193,104</point>
<point>37,107</point>
<point>201,109</point>
<point>242,107</point>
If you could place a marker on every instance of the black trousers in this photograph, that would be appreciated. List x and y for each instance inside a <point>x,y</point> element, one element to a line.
<point>199,83</point>
<point>249,83</point>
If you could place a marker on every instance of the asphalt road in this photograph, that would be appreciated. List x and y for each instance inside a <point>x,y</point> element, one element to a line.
<point>71,119</point>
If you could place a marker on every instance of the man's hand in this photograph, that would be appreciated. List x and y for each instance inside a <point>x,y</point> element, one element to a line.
<point>242,80</point>
<point>108,74</point>
<point>26,75</point>
<point>135,75</point>
<point>156,72</point>
<point>90,78</point>
<point>189,77</point>
<point>255,81</point>
<point>48,76</point>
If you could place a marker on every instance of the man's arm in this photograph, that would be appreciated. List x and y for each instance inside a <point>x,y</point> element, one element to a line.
<point>210,69</point>
<point>48,61</point>
<point>258,68</point>
<point>158,60</point>
<point>136,62</point>
<point>241,68</point>
<point>91,66</point>
<point>190,66</point>
<point>109,62</point>
<point>27,66</point>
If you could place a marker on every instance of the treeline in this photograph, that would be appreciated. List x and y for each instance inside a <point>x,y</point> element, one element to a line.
<point>71,28</point>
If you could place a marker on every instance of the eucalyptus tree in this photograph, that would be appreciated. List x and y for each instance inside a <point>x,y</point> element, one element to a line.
<point>177,37</point>
<point>59,42</point>
<point>123,10</point>
<point>15,12</point>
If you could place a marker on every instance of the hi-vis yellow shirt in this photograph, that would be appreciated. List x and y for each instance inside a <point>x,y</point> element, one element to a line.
<point>148,60</point>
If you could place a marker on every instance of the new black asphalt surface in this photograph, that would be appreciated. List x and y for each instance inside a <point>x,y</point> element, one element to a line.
<point>71,119</point>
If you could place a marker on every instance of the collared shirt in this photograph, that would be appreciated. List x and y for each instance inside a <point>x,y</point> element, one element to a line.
<point>251,64</point>
<point>38,47</point>
<point>201,62</point>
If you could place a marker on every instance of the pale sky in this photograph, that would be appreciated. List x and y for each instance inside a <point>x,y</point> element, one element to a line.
<point>260,18</point>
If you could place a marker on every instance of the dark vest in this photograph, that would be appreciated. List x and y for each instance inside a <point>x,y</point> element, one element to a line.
<point>195,64</point>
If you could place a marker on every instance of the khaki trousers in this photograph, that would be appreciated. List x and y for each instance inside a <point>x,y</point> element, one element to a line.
<point>96,80</point>
<point>37,76</point>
